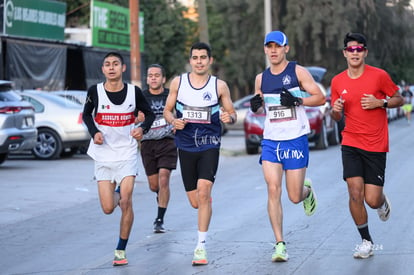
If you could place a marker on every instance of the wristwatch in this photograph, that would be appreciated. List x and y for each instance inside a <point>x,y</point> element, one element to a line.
<point>385,105</point>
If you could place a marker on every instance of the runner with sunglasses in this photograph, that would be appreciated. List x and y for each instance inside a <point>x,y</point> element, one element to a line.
<point>362,93</point>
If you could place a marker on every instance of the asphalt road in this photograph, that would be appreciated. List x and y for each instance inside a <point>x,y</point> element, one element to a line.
<point>51,221</point>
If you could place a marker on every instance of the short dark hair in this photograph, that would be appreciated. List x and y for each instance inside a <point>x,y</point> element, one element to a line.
<point>115,54</point>
<point>157,66</point>
<point>354,36</point>
<point>201,46</point>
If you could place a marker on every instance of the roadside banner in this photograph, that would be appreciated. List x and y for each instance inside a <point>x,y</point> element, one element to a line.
<point>39,19</point>
<point>110,26</point>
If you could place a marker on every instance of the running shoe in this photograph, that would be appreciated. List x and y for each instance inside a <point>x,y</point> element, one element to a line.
<point>364,250</point>
<point>385,210</point>
<point>280,254</point>
<point>120,258</point>
<point>310,202</point>
<point>159,226</point>
<point>200,257</point>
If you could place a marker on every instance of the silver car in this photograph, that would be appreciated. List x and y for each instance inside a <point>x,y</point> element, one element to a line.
<point>17,130</point>
<point>61,131</point>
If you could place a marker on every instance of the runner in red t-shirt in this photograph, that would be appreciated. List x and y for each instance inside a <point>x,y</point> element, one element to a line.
<point>361,94</point>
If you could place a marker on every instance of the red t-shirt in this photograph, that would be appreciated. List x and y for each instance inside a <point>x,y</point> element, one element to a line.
<point>364,129</point>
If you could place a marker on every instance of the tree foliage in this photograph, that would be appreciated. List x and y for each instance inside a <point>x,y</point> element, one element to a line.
<point>165,35</point>
<point>315,29</point>
<point>236,40</point>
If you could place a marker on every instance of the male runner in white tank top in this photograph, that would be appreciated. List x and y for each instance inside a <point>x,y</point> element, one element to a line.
<point>109,114</point>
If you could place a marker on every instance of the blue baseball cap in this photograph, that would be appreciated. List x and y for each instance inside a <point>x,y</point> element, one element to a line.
<point>276,36</point>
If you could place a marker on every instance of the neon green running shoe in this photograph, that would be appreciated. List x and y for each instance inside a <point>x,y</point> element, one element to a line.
<point>120,258</point>
<point>310,203</point>
<point>280,254</point>
<point>200,257</point>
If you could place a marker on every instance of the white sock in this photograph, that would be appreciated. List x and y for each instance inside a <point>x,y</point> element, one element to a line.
<point>201,240</point>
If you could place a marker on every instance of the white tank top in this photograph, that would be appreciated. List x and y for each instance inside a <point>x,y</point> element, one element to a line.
<point>115,122</point>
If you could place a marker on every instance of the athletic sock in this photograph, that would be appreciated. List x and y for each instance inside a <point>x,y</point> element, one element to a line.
<point>364,232</point>
<point>201,240</point>
<point>122,243</point>
<point>161,213</point>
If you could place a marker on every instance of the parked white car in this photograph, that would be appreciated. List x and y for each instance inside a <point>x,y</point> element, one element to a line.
<point>77,96</point>
<point>61,131</point>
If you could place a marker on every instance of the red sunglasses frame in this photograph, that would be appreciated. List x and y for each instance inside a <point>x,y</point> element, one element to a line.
<point>352,49</point>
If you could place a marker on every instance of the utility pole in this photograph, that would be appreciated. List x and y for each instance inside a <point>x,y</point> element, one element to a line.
<point>267,21</point>
<point>134,42</point>
<point>202,21</point>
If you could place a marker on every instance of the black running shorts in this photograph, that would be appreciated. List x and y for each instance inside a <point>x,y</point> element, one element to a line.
<point>360,163</point>
<point>198,165</point>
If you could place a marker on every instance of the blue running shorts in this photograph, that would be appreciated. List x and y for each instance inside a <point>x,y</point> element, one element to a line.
<point>292,154</point>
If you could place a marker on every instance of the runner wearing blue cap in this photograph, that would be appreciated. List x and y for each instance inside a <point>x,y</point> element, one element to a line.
<point>282,91</point>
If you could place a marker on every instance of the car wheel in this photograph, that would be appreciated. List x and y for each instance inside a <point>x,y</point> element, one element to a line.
<point>252,149</point>
<point>48,145</point>
<point>333,138</point>
<point>3,157</point>
<point>322,142</point>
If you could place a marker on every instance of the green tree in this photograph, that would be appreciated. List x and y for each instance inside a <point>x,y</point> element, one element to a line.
<point>315,29</point>
<point>236,37</point>
<point>77,13</point>
<point>166,33</point>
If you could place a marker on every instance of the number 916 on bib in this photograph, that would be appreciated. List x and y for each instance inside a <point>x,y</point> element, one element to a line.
<point>281,113</point>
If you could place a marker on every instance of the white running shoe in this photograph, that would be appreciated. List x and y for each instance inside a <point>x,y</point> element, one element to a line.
<point>364,250</point>
<point>385,210</point>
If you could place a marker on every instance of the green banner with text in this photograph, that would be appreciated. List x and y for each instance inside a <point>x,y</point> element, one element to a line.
<point>39,19</point>
<point>110,26</point>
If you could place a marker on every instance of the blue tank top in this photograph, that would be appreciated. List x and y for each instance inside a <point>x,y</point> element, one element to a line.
<point>283,123</point>
<point>273,84</point>
<point>200,108</point>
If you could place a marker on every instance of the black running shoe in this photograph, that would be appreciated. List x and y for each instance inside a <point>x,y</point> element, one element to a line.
<point>159,226</point>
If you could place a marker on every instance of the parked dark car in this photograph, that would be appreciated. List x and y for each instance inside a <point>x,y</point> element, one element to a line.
<point>61,131</point>
<point>17,120</point>
<point>324,130</point>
